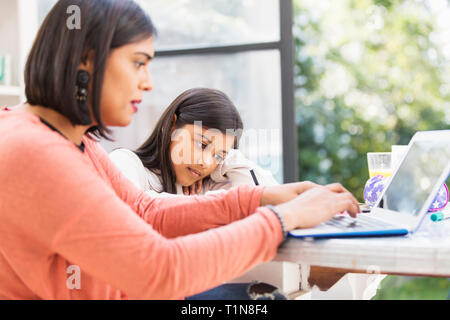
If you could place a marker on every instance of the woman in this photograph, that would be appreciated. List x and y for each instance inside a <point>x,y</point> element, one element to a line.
<point>65,208</point>
<point>193,149</point>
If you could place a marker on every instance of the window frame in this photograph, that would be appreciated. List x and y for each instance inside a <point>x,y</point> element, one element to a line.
<point>285,46</point>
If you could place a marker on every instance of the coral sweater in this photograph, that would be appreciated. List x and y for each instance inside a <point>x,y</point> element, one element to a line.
<point>61,207</point>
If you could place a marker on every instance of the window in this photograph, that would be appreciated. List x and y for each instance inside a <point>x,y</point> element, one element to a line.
<point>206,23</point>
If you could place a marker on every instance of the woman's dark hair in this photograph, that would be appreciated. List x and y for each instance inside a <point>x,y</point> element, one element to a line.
<point>53,62</point>
<point>212,107</point>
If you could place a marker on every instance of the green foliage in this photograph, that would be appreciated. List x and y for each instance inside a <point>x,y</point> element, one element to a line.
<point>413,288</point>
<point>368,76</point>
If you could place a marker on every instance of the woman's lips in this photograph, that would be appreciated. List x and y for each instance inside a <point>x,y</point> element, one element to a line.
<point>135,105</point>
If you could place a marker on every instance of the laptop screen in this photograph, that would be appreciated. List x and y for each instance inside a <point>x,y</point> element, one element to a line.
<point>416,177</point>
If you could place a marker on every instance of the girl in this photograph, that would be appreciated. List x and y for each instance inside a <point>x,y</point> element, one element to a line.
<point>202,129</point>
<point>72,226</point>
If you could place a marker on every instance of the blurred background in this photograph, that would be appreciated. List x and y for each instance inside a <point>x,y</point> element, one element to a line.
<point>367,75</point>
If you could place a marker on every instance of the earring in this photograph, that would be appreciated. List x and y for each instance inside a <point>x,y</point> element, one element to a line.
<point>82,93</point>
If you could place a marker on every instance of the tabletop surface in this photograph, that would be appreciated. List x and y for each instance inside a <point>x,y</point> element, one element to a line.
<point>425,252</point>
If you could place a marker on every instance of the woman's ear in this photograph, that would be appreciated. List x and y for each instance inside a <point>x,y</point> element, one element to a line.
<point>87,62</point>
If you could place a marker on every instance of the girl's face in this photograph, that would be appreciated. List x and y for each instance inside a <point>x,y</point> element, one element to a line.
<point>196,152</point>
<point>126,77</point>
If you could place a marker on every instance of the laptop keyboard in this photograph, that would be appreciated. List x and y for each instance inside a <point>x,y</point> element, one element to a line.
<point>361,222</point>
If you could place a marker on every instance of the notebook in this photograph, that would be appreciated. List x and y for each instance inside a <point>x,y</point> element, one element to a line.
<point>405,200</point>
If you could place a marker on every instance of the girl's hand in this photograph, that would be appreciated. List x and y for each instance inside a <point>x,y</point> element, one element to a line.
<point>285,192</point>
<point>193,189</point>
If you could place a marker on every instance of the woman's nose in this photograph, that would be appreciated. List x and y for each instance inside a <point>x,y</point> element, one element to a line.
<point>147,83</point>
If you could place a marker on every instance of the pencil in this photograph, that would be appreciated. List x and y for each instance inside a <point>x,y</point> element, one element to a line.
<point>254,177</point>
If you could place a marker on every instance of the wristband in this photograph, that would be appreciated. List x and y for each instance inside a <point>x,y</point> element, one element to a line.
<point>283,227</point>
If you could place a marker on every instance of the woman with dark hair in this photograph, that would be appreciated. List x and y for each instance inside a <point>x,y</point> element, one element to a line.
<point>73,227</point>
<point>192,149</point>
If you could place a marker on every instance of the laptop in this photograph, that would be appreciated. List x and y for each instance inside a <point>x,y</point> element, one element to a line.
<point>405,200</point>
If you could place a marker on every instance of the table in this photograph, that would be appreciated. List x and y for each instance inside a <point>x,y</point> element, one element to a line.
<point>423,253</point>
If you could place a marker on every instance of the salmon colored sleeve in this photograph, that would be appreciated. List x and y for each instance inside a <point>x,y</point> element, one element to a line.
<point>199,213</point>
<point>65,204</point>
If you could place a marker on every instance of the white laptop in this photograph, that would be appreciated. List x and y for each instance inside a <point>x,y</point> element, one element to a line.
<point>405,200</point>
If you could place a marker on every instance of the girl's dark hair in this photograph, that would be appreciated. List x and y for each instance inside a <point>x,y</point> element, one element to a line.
<point>212,107</point>
<point>54,59</point>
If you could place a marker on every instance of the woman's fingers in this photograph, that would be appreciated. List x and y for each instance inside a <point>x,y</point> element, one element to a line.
<point>338,188</point>
<point>315,206</point>
<point>276,195</point>
<point>345,202</point>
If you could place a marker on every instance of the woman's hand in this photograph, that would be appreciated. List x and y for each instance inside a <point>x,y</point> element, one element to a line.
<point>317,205</point>
<point>193,189</point>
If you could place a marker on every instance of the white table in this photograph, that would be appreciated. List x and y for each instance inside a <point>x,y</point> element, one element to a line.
<point>424,253</point>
